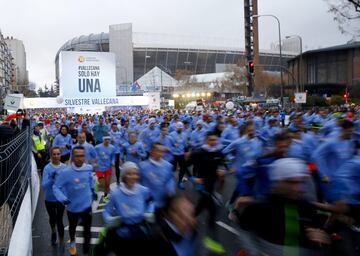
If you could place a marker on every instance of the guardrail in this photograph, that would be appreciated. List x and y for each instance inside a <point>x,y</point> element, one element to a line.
<point>15,175</point>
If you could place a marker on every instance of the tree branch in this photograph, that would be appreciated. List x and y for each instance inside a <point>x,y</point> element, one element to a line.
<point>356,5</point>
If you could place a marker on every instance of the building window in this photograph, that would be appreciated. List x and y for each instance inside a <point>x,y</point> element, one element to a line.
<point>311,71</point>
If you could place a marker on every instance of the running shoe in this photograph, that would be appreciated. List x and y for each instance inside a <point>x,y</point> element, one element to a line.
<point>213,246</point>
<point>106,199</point>
<point>72,248</point>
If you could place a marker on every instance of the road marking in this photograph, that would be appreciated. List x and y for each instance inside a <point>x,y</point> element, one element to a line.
<point>98,211</point>
<point>95,204</point>
<point>81,228</point>
<point>80,240</point>
<point>228,228</point>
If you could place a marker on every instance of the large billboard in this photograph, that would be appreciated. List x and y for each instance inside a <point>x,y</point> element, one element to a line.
<point>87,78</point>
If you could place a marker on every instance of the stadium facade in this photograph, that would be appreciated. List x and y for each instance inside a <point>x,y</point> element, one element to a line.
<point>137,53</point>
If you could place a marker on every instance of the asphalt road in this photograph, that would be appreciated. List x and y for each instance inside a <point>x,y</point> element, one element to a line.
<point>226,230</point>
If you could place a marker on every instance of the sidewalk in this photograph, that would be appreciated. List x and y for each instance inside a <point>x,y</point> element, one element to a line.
<point>7,226</point>
<point>42,233</point>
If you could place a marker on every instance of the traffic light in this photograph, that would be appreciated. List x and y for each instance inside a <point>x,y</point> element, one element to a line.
<point>251,66</point>
<point>346,96</point>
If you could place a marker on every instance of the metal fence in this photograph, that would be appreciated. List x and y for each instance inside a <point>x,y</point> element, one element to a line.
<point>15,173</point>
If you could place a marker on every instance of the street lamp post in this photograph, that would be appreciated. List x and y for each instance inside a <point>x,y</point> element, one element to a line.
<point>281,71</point>
<point>146,57</point>
<point>300,62</point>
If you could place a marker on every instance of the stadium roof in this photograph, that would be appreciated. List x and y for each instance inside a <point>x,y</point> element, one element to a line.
<point>151,40</point>
<point>170,41</point>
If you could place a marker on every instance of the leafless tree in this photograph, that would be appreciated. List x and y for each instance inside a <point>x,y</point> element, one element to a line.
<point>235,79</point>
<point>347,15</point>
<point>187,83</point>
<point>265,80</point>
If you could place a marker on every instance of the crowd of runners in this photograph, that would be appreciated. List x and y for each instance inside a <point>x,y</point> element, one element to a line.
<point>297,179</point>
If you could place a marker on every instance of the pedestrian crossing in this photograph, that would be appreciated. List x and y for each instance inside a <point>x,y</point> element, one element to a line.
<point>81,228</point>
<point>80,240</point>
<point>94,234</point>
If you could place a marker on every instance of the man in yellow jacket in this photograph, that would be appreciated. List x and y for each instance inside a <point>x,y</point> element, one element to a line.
<point>38,148</point>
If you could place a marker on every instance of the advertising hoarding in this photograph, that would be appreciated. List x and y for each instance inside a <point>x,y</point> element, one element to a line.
<point>87,77</point>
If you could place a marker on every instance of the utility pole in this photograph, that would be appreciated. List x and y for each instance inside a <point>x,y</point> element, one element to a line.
<point>251,39</point>
<point>256,43</point>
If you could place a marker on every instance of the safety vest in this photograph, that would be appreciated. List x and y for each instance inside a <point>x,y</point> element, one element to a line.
<point>39,144</point>
<point>43,133</point>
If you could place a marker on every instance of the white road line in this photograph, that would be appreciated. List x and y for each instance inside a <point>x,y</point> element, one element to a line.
<point>98,211</point>
<point>228,228</point>
<point>81,228</point>
<point>95,204</point>
<point>80,240</point>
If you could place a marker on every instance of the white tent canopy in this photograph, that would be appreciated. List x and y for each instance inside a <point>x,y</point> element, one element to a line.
<point>156,79</point>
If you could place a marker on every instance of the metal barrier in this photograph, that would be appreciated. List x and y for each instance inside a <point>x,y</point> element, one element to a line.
<point>15,173</point>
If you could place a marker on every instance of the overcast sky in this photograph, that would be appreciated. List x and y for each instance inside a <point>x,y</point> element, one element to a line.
<point>44,26</point>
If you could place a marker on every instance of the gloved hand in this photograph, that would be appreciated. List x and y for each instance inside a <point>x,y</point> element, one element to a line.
<point>66,202</point>
<point>192,178</point>
<point>149,217</point>
<point>95,196</point>
<point>196,180</point>
<point>114,221</point>
<point>199,187</point>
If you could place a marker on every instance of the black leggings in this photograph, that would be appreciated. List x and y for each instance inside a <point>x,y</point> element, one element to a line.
<point>40,161</point>
<point>206,201</point>
<point>140,235</point>
<point>183,167</point>
<point>85,217</point>
<point>117,167</point>
<point>56,211</point>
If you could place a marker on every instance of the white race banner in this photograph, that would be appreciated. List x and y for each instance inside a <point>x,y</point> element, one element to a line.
<point>300,97</point>
<point>144,101</point>
<point>87,75</point>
